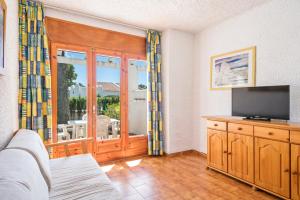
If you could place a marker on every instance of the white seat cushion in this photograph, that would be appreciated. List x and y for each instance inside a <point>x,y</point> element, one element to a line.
<point>31,142</point>
<point>20,177</point>
<point>79,177</point>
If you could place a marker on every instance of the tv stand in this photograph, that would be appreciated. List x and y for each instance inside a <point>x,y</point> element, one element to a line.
<point>257,118</point>
<point>234,144</point>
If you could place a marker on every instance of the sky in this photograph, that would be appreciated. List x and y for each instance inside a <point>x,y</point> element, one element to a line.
<point>104,74</point>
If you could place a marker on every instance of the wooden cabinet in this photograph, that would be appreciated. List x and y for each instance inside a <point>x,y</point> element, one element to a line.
<point>272,165</point>
<point>240,156</point>
<point>295,171</point>
<point>217,149</point>
<point>265,155</point>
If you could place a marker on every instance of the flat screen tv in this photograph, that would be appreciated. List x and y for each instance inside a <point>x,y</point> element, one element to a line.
<point>267,102</point>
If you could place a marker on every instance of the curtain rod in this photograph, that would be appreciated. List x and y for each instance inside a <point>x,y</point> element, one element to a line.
<point>93,16</point>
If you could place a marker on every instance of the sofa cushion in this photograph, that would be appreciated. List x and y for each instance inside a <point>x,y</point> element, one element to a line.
<point>31,142</point>
<point>80,177</point>
<point>20,177</point>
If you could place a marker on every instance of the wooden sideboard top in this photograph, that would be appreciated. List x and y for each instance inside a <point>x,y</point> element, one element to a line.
<point>293,126</point>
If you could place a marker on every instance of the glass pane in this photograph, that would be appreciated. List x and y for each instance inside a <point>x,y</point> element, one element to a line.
<point>108,97</point>
<point>137,97</point>
<point>71,95</point>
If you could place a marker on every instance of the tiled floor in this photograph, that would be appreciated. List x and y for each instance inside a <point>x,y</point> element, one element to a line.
<point>177,177</point>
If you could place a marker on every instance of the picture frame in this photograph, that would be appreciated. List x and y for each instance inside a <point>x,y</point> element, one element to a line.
<point>3,10</point>
<point>233,69</point>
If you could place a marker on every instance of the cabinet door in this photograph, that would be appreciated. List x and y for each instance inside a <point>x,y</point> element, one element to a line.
<point>272,166</point>
<point>240,156</point>
<point>295,169</point>
<point>217,149</point>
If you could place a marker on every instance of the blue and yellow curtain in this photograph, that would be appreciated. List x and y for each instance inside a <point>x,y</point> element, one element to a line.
<point>34,70</point>
<point>155,119</point>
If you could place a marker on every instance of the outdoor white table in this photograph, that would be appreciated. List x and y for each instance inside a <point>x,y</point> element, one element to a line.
<point>76,123</point>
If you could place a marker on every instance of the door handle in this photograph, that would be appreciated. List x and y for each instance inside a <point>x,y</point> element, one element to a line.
<point>271,133</point>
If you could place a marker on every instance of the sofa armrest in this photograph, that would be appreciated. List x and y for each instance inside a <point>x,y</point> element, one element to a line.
<point>83,142</point>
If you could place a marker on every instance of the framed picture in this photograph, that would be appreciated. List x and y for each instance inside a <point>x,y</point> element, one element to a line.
<point>2,34</point>
<point>233,69</point>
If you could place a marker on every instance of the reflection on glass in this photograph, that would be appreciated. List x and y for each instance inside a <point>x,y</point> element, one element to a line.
<point>71,95</point>
<point>108,97</point>
<point>137,97</point>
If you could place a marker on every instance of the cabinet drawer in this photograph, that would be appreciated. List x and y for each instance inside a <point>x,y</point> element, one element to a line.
<point>272,133</point>
<point>217,125</point>
<point>240,128</point>
<point>295,137</point>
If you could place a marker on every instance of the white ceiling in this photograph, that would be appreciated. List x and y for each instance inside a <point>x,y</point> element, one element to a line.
<point>186,15</point>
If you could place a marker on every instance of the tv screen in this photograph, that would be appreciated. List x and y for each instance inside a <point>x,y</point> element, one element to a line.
<point>271,102</point>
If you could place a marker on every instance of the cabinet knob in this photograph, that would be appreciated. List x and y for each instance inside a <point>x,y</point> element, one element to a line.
<point>225,152</point>
<point>286,170</point>
<point>270,133</point>
<point>215,124</point>
<point>229,153</point>
<point>240,128</point>
<point>295,173</point>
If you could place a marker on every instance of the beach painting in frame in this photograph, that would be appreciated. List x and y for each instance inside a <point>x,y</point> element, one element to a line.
<point>2,34</point>
<point>233,69</point>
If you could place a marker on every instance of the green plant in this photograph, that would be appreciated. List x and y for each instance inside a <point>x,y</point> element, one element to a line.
<point>113,111</point>
<point>104,102</point>
<point>77,103</point>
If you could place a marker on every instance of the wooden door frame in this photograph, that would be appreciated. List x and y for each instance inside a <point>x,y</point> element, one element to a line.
<point>91,53</point>
<point>53,61</point>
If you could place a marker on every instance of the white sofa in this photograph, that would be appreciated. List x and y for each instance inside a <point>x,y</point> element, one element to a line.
<point>26,173</point>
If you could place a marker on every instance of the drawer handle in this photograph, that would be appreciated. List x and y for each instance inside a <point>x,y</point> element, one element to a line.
<point>215,124</point>
<point>270,133</point>
<point>229,153</point>
<point>286,170</point>
<point>295,173</point>
<point>240,128</point>
<point>225,152</point>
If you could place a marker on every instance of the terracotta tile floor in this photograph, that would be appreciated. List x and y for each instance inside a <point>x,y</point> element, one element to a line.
<point>176,177</point>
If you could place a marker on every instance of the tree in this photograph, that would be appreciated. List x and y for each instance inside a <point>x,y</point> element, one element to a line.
<point>142,87</point>
<point>66,77</point>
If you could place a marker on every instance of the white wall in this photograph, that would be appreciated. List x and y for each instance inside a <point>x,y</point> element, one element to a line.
<point>177,73</point>
<point>274,28</point>
<point>9,82</point>
<point>93,22</point>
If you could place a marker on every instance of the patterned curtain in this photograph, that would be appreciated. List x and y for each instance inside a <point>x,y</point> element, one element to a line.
<point>155,120</point>
<point>34,70</point>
